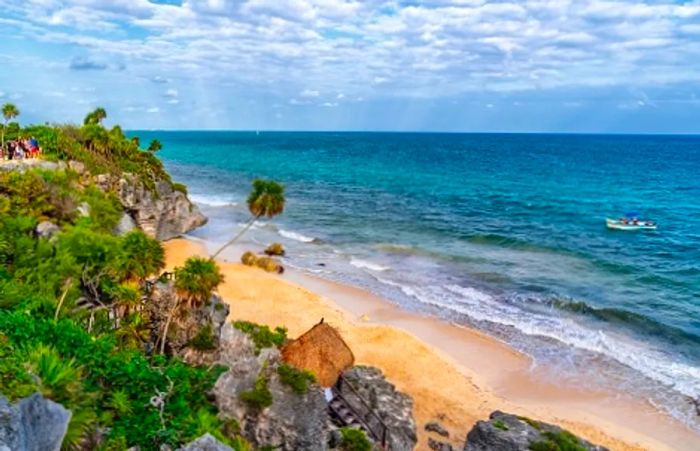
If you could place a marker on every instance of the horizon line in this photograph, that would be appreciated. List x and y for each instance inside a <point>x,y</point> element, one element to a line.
<point>442,132</point>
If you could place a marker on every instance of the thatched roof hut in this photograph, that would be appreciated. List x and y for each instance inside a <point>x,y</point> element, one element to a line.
<point>321,351</point>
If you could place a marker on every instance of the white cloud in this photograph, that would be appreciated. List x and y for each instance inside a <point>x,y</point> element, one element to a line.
<point>154,109</point>
<point>309,93</point>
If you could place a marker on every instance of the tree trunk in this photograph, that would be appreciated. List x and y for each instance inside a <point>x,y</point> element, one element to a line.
<point>164,338</point>
<point>4,127</point>
<point>235,238</point>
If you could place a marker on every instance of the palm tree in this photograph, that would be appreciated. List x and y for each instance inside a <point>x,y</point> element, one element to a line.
<point>154,146</point>
<point>194,283</point>
<point>9,111</point>
<point>95,117</point>
<point>141,256</point>
<point>266,199</point>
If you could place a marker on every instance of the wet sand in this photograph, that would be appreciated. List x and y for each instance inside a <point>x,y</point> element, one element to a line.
<point>454,374</point>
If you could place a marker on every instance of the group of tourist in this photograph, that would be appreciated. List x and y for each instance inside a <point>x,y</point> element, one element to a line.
<point>20,149</point>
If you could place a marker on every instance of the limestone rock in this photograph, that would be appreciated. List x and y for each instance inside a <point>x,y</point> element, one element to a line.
<point>125,225</point>
<point>207,442</point>
<point>436,445</point>
<point>23,165</point>
<point>32,424</point>
<point>393,407</point>
<point>508,432</point>
<point>436,427</point>
<point>46,229</point>
<point>164,213</point>
<point>293,421</point>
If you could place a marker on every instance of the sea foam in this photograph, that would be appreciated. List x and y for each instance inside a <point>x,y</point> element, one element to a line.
<point>364,264</point>
<point>296,236</point>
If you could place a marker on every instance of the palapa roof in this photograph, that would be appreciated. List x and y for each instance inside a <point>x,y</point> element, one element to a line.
<point>322,351</point>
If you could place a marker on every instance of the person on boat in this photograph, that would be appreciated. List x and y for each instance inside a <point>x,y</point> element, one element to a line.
<point>622,220</point>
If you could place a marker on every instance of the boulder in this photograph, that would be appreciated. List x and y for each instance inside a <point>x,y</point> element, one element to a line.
<point>437,445</point>
<point>507,432</point>
<point>294,421</point>
<point>163,212</point>
<point>46,229</point>
<point>370,388</point>
<point>125,225</point>
<point>436,427</point>
<point>207,442</point>
<point>32,424</point>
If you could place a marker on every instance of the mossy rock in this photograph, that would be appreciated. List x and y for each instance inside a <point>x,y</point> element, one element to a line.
<point>275,250</point>
<point>269,264</point>
<point>249,258</point>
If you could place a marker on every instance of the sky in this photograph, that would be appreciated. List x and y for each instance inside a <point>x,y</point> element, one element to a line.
<point>617,66</point>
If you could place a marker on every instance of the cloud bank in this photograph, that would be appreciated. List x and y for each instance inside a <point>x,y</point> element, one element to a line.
<point>276,58</point>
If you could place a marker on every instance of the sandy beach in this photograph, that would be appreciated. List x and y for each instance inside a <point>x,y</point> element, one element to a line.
<point>453,374</point>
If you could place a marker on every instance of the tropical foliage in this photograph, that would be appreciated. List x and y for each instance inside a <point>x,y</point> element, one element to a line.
<point>9,112</point>
<point>74,317</point>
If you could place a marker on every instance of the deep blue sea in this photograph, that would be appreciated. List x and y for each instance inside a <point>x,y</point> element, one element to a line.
<point>502,232</point>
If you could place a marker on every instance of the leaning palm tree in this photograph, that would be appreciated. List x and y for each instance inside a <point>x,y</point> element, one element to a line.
<point>154,146</point>
<point>194,284</point>
<point>266,199</point>
<point>9,111</point>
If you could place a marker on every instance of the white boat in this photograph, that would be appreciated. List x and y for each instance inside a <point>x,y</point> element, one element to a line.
<point>630,224</point>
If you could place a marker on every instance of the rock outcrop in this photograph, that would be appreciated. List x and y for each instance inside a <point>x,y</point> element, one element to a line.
<point>162,213</point>
<point>46,229</point>
<point>394,408</point>
<point>204,322</point>
<point>206,443</point>
<point>32,424</point>
<point>294,421</point>
<point>507,432</point>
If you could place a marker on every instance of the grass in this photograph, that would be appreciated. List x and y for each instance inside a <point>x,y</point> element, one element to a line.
<point>498,424</point>
<point>558,441</point>
<point>204,340</point>
<point>298,380</point>
<point>260,396</point>
<point>262,336</point>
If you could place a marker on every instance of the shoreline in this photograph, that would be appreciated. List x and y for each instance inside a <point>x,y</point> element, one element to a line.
<point>449,370</point>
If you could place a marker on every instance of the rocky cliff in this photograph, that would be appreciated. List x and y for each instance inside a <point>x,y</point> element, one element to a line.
<point>162,213</point>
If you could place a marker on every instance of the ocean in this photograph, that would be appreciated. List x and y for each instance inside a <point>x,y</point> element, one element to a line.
<point>502,232</point>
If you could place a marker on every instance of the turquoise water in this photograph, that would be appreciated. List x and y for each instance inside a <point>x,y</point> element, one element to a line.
<point>501,232</point>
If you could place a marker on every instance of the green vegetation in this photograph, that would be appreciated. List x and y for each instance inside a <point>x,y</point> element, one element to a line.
<point>196,280</point>
<point>298,380</point>
<point>262,336</point>
<point>75,321</point>
<point>265,263</point>
<point>204,340</point>
<point>534,423</point>
<point>9,111</point>
<point>558,441</point>
<point>265,200</point>
<point>354,440</point>
<point>498,424</point>
<point>260,396</point>
<point>154,146</point>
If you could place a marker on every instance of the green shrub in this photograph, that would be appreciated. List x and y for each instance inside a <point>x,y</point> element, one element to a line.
<point>180,187</point>
<point>103,370</point>
<point>298,380</point>
<point>260,396</point>
<point>353,439</point>
<point>261,335</point>
<point>204,340</point>
<point>558,441</point>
